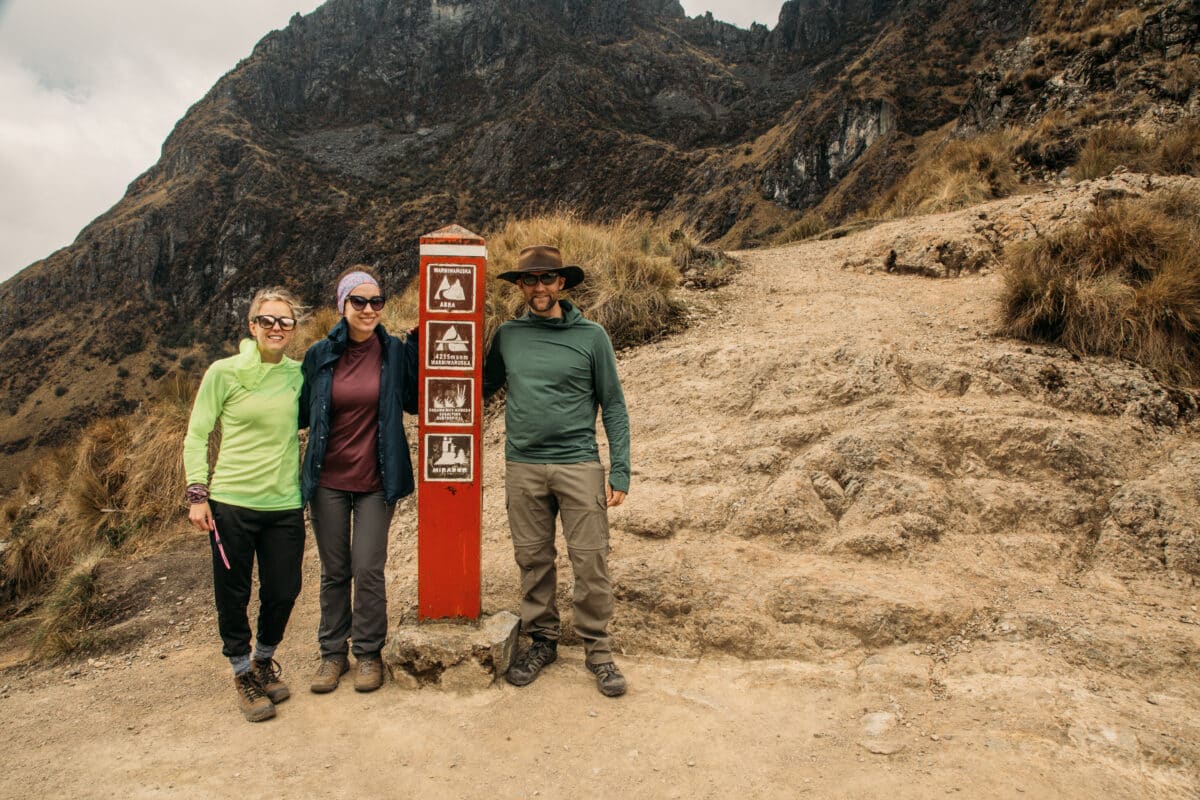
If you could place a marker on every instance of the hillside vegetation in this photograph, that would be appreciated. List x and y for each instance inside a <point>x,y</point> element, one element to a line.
<point>1124,281</point>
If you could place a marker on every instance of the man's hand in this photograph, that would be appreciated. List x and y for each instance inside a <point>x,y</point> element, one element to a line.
<point>200,515</point>
<point>614,497</point>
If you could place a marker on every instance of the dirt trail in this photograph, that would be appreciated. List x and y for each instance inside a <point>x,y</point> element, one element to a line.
<point>871,551</point>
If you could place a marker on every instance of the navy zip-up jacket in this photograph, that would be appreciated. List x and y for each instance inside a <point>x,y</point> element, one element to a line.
<point>397,394</point>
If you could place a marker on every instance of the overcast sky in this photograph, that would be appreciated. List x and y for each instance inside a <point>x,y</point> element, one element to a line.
<point>89,89</point>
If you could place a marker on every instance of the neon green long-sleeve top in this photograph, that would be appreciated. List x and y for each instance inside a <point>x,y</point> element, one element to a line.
<point>258,464</point>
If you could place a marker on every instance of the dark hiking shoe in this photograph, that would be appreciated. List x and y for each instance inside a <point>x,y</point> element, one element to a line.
<point>370,673</point>
<point>609,679</point>
<point>329,674</point>
<point>530,663</point>
<point>270,675</point>
<point>252,698</point>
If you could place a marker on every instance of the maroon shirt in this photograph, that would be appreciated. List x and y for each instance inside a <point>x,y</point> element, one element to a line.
<point>352,454</point>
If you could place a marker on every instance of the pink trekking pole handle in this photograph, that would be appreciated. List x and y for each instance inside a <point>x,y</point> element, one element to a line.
<point>220,547</point>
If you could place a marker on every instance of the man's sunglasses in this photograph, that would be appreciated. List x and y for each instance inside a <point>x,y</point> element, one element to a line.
<point>546,278</point>
<point>269,321</point>
<point>360,303</point>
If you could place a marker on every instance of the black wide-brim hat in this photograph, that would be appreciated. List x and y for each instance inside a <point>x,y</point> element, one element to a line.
<point>544,258</point>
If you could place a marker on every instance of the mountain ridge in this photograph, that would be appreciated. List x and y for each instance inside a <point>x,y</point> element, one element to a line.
<point>362,125</point>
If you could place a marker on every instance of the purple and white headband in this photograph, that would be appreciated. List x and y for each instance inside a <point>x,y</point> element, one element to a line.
<point>347,284</point>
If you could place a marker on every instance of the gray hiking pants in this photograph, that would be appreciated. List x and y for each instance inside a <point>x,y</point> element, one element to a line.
<point>535,494</point>
<point>351,529</point>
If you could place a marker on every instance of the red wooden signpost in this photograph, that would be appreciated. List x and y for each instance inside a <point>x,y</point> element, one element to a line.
<point>450,489</point>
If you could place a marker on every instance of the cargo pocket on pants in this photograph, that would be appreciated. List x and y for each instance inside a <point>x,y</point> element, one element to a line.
<point>585,527</point>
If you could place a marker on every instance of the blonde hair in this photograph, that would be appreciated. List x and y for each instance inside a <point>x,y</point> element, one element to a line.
<point>276,293</point>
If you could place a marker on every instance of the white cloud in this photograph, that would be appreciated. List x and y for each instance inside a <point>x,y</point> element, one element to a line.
<point>738,13</point>
<point>90,92</point>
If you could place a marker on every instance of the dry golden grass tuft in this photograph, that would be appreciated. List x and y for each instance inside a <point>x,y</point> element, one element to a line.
<point>1074,15</point>
<point>1110,147</point>
<point>960,173</point>
<point>29,549</point>
<point>807,226</point>
<point>629,265</point>
<point>1123,282</point>
<point>93,490</point>
<point>63,619</point>
<point>117,489</point>
<point>153,465</point>
<point>701,266</point>
<point>314,328</point>
<point>1175,151</point>
<point>632,267</point>
<point>1179,150</point>
<point>1182,77</point>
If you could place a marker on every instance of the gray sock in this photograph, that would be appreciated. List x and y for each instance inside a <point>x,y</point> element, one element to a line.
<point>240,664</point>
<point>264,652</point>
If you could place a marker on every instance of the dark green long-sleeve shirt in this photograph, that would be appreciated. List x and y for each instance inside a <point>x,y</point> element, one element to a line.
<point>559,372</point>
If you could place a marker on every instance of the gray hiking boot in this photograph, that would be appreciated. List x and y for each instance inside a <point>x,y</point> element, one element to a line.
<point>530,663</point>
<point>252,698</point>
<point>270,675</point>
<point>609,679</point>
<point>329,674</point>
<point>370,673</point>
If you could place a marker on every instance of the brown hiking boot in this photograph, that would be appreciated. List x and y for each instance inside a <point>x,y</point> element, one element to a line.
<point>609,679</point>
<point>329,674</point>
<point>270,675</point>
<point>370,673</point>
<point>252,699</point>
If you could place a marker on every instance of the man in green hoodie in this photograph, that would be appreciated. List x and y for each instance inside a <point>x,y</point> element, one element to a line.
<point>559,368</point>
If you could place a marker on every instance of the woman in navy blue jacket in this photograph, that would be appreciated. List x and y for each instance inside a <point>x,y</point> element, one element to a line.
<point>358,381</point>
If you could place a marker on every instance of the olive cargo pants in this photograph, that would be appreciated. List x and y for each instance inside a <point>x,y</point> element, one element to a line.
<point>535,494</point>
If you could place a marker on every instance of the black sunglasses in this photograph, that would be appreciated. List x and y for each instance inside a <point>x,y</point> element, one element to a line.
<point>270,321</point>
<point>546,277</point>
<point>360,303</point>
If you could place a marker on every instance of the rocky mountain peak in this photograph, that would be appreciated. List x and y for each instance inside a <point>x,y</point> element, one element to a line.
<point>813,26</point>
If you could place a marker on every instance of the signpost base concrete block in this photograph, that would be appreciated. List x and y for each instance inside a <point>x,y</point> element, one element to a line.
<point>454,656</point>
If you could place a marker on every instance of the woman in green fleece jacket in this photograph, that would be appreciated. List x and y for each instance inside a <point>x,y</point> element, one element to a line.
<point>251,505</point>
